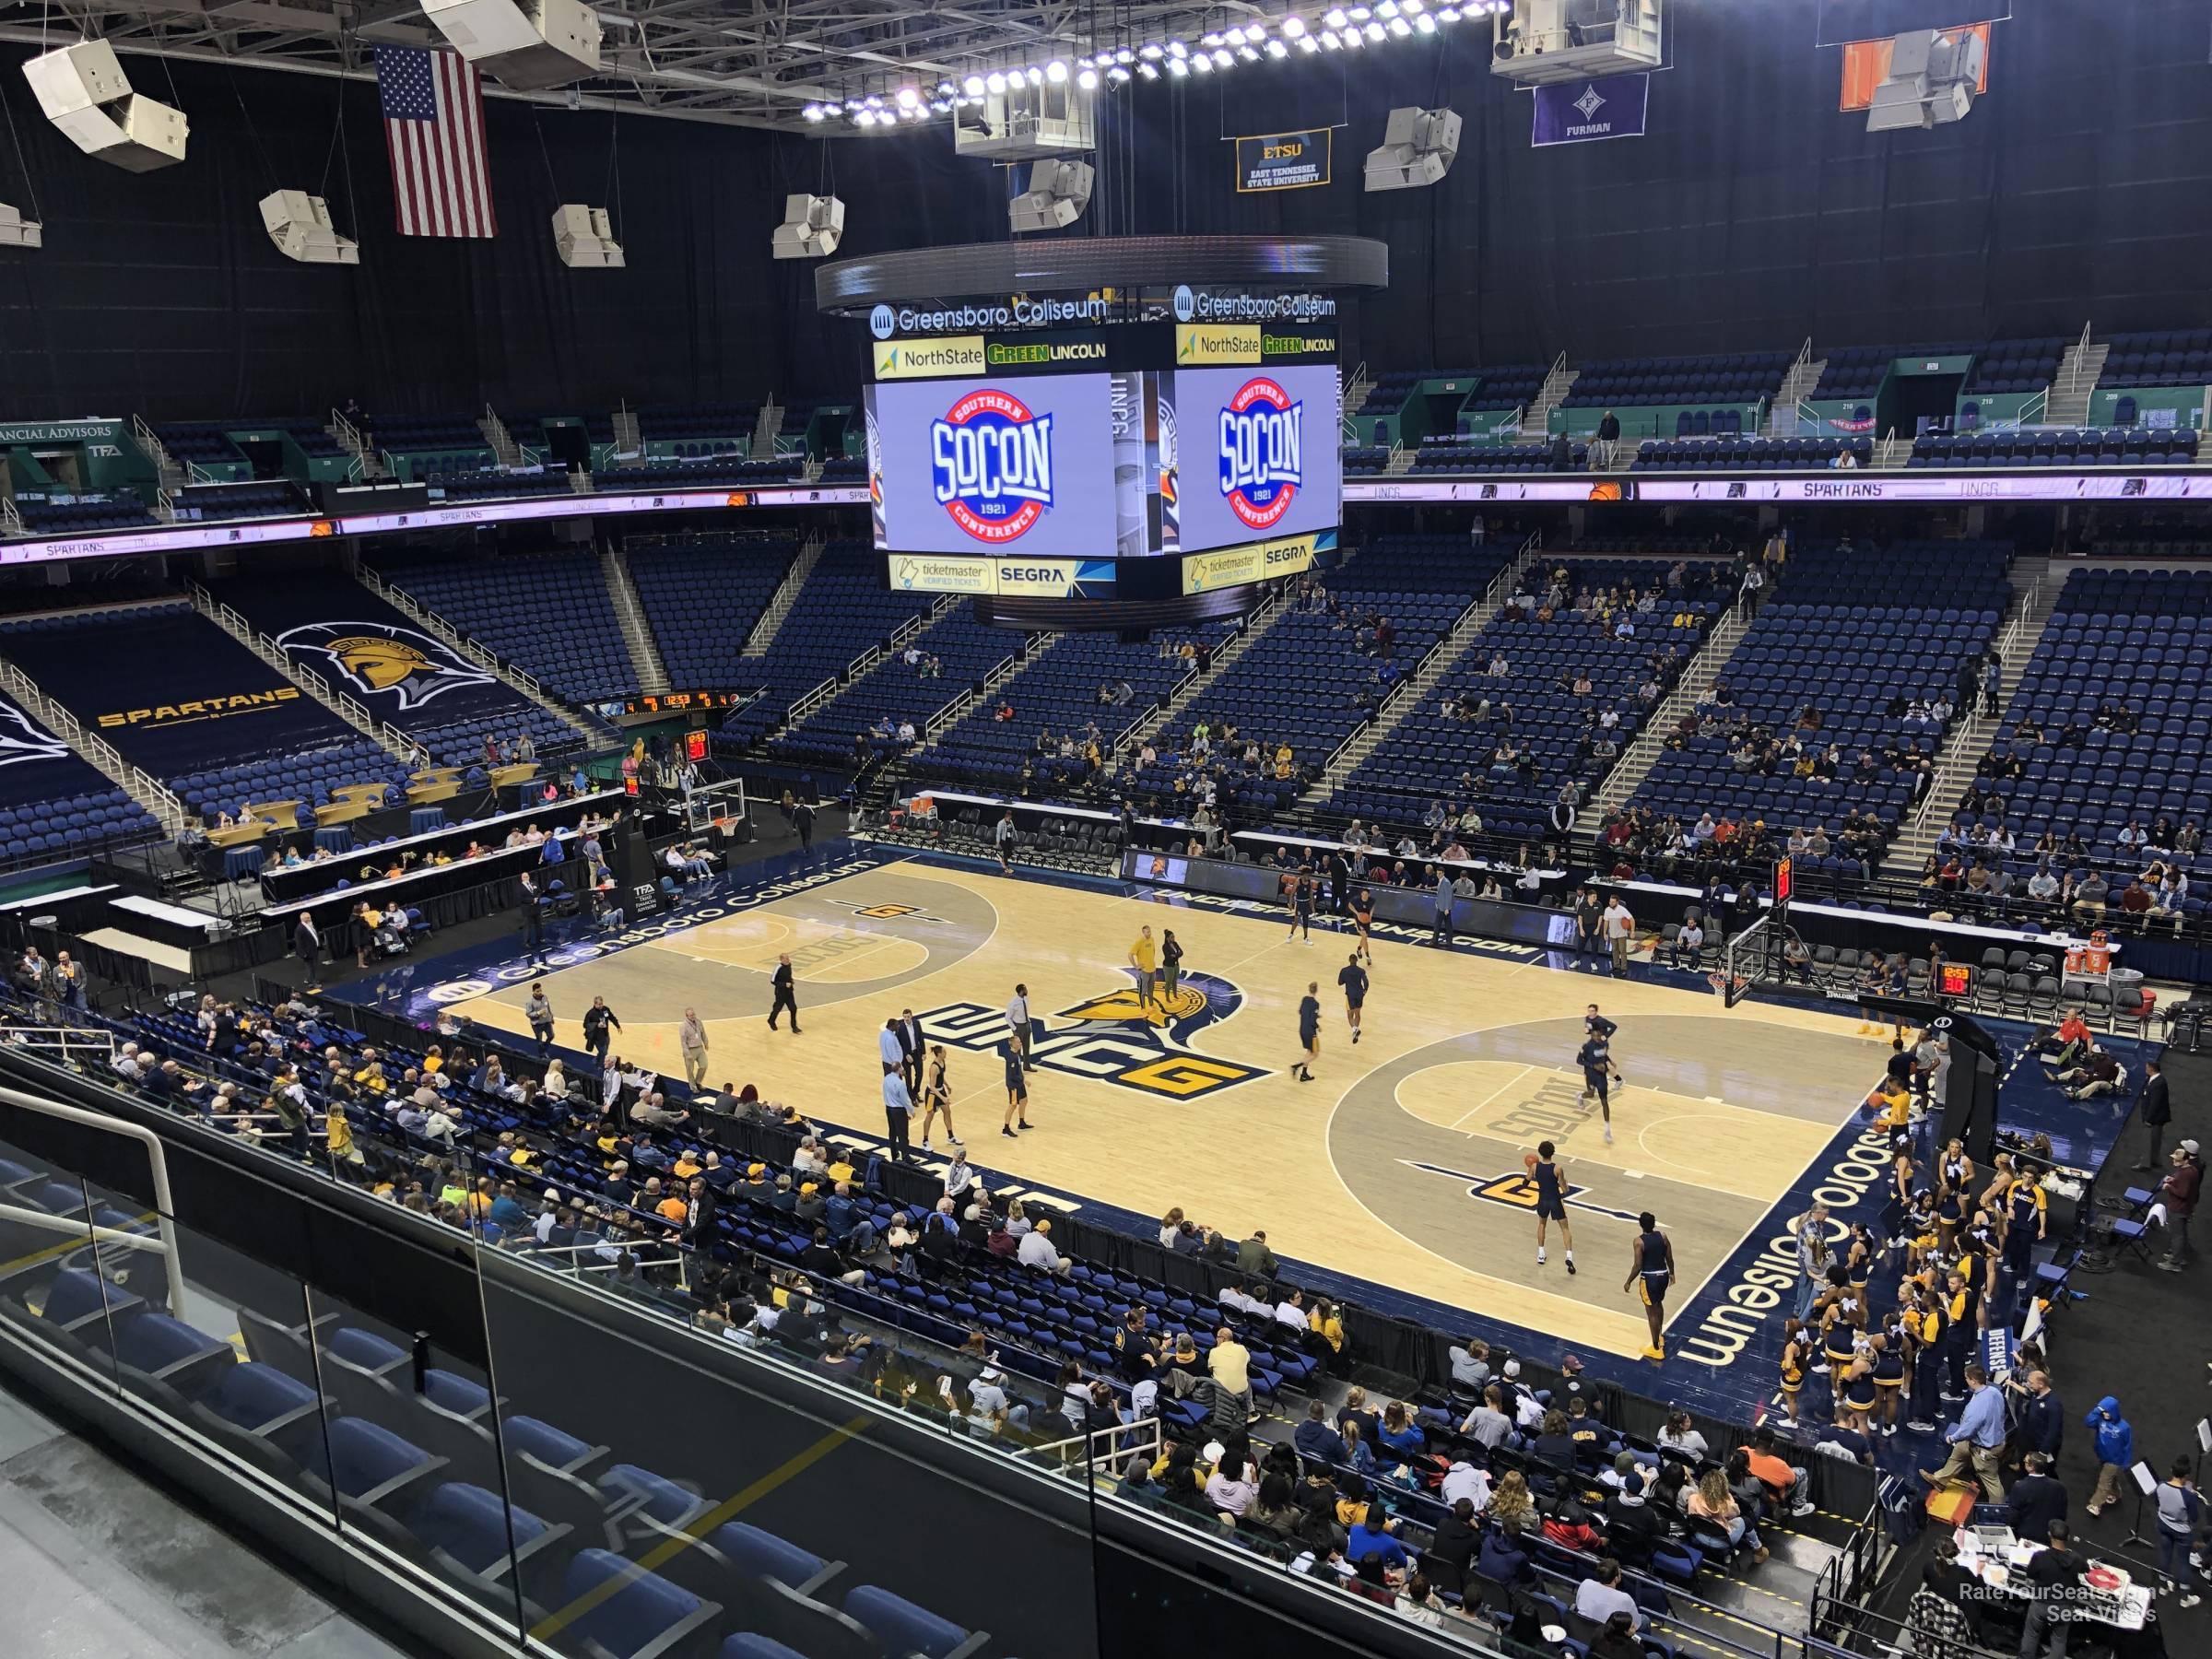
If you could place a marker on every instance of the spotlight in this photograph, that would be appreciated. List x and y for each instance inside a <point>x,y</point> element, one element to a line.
<point>1176,49</point>
<point>1036,76</point>
<point>1210,39</point>
<point>864,118</point>
<point>996,81</point>
<point>945,88</point>
<point>1448,14</point>
<point>1399,27</point>
<point>1335,17</point>
<point>1375,31</point>
<point>1360,14</point>
<point>1389,8</point>
<point>908,98</point>
<point>1295,27</point>
<point>1123,55</point>
<point>1087,79</point>
<point>871,102</point>
<point>1055,72</point>
<point>1354,41</point>
<point>1275,49</point>
<point>1202,64</point>
<point>813,112</point>
<point>1178,67</point>
<point>1235,37</point>
<point>1306,44</point>
<point>1328,39</point>
<point>1221,58</point>
<point>973,86</point>
<point>1116,75</point>
<point>1149,72</point>
<point>1425,24</point>
<point>1148,51</point>
<point>1248,55</point>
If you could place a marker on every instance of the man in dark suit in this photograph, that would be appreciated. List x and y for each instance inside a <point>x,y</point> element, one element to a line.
<point>2157,1112</point>
<point>909,1039</point>
<point>2036,1500</point>
<point>700,1203</point>
<point>534,915</point>
<point>306,945</point>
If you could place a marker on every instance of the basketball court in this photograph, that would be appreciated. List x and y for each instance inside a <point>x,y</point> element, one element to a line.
<point>1400,1165</point>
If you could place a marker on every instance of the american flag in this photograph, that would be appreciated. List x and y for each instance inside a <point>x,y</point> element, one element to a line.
<point>434,130</point>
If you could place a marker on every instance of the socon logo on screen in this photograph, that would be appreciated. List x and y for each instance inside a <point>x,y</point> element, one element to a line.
<point>990,460</point>
<point>1263,439</point>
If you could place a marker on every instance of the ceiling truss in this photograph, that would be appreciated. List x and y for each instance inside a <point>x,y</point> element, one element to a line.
<point>749,63</point>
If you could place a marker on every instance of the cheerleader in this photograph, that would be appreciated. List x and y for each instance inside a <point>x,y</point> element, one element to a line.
<point>1858,1269</point>
<point>1796,1353</point>
<point>1858,1396</point>
<point>1888,1348</point>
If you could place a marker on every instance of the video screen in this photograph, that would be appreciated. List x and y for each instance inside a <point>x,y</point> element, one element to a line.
<point>1034,465</point>
<point>1255,454</point>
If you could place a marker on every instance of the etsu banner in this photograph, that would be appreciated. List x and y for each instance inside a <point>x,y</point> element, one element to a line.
<point>1284,161</point>
<point>1611,106</point>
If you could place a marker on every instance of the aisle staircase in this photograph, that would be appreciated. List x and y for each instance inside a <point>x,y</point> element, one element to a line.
<point>786,595</point>
<point>644,655</point>
<point>1412,691</point>
<point>2079,371</point>
<point>628,441</point>
<point>2036,588</point>
<point>1257,621</point>
<point>1636,761</point>
<point>508,674</point>
<point>348,436</point>
<point>142,786</point>
<point>1535,420</point>
<point>350,710</point>
<point>503,446</point>
<point>765,428</point>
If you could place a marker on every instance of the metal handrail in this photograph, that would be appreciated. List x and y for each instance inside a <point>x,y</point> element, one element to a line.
<point>157,1156</point>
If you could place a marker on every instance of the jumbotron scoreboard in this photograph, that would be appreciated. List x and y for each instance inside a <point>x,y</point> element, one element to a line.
<point>1176,446</point>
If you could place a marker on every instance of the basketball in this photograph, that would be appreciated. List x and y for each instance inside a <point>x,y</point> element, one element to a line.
<point>1528,1162</point>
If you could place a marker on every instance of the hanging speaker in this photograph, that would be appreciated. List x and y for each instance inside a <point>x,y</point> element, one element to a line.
<point>584,239</point>
<point>15,231</point>
<point>300,226</point>
<point>85,95</point>
<point>812,227</point>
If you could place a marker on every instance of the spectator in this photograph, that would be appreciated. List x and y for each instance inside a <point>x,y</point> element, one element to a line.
<point>1977,1439</point>
<point>2181,1511</point>
<point>2036,1499</point>
<point>1711,1501</point>
<point>1600,1595</point>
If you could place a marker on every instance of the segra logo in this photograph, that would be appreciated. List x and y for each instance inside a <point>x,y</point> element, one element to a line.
<point>991,464</point>
<point>1263,434</point>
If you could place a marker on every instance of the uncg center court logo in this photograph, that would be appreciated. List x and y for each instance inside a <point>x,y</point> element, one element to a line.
<point>377,659</point>
<point>1113,1039</point>
<point>1262,452</point>
<point>1515,1190</point>
<point>991,466</point>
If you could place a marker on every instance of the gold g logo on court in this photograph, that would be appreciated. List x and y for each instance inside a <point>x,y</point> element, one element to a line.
<point>1113,1038</point>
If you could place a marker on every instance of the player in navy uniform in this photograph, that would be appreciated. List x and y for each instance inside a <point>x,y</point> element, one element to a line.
<point>1651,1271</point>
<point>1302,904</point>
<point>1596,1061</point>
<point>1353,978</point>
<point>1363,918</point>
<point>1309,1032</point>
<point>1551,1202</point>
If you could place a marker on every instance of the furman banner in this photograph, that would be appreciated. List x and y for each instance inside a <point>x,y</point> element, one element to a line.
<point>1283,160</point>
<point>1580,112</point>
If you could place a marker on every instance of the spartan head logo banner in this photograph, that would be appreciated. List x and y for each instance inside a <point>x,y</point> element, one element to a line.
<point>374,659</point>
<point>22,741</point>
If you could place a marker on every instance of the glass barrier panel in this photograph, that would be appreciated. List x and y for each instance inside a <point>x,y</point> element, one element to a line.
<point>225,1355</point>
<point>706,1500</point>
<point>50,1284</point>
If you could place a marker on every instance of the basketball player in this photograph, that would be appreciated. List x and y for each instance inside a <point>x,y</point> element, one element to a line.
<point>1551,1202</point>
<point>1144,956</point>
<point>1651,1271</point>
<point>1018,1025</point>
<point>1309,1032</point>
<point>1353,978</point>
<point>1302,904</point>
<point>1363,918</point>
<point>936,1096</point>
<point>1595,1058</point>
<point>1017,1095</point>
